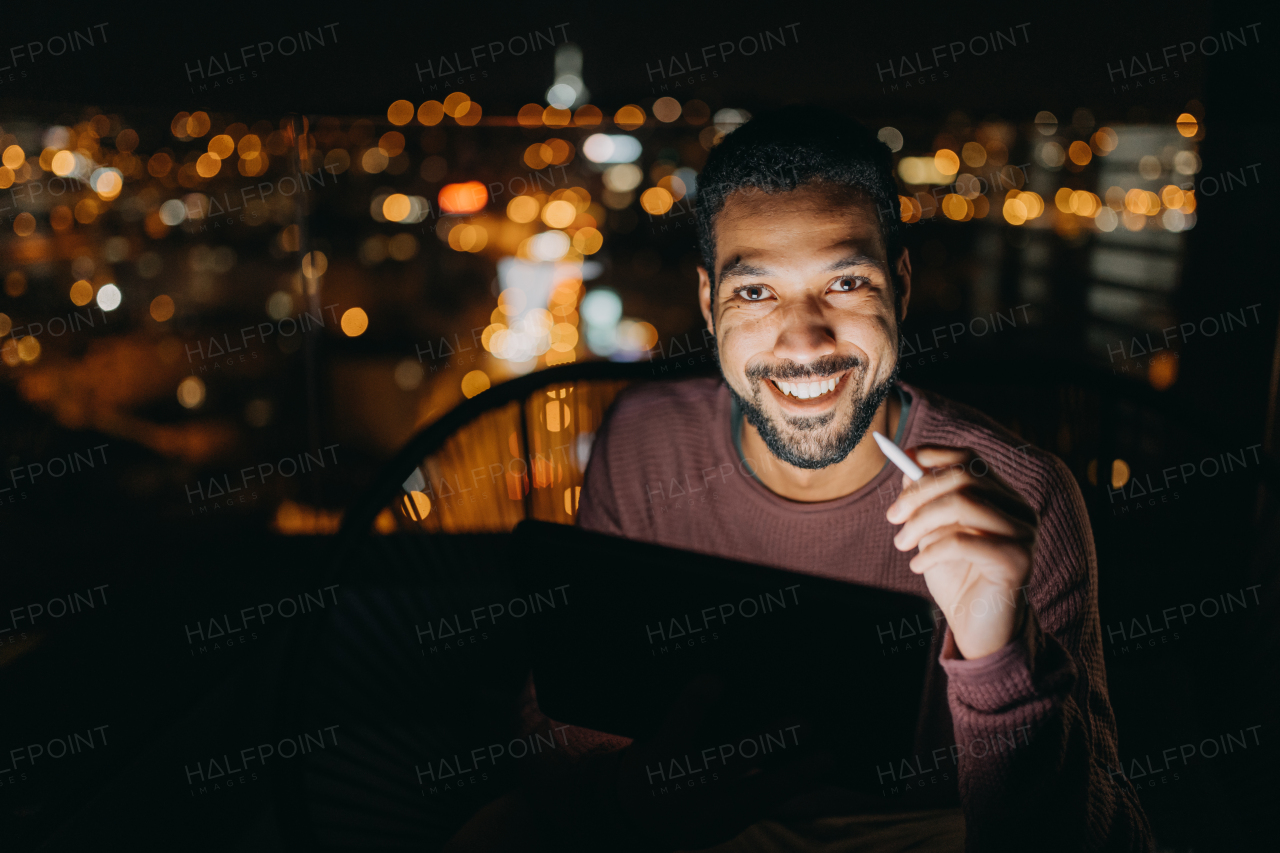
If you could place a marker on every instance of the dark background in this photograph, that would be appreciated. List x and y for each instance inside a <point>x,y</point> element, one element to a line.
<point>125,663</point>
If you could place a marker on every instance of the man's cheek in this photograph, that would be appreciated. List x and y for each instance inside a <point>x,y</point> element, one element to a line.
<point>732,356</point>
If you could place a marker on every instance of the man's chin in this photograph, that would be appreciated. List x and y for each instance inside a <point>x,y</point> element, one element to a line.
<point>810,442</point>
<point>812,451</point>
<point>809,459</point>
<point>816,441</point>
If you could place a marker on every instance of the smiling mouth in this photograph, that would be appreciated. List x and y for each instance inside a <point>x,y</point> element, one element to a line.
<point>809,390</point>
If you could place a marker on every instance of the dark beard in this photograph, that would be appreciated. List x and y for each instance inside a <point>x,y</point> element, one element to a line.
<point>813,453</point>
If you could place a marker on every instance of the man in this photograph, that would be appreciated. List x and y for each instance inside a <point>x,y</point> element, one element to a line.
<point>804,285</point>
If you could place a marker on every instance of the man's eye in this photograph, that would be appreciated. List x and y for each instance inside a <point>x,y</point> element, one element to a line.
<point>848,284</point>
<point>753,292</point>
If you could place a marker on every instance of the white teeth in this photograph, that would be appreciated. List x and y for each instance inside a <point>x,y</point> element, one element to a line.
<point>807,390</point>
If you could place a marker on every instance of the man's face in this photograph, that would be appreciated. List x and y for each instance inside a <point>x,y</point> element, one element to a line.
<point>804,317</point>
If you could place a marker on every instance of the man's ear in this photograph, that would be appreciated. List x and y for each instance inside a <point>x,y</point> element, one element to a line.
<point>704,298</point>
<point>903,269</point>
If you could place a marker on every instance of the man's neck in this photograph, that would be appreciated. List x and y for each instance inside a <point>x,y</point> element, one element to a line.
<point>835,481</point>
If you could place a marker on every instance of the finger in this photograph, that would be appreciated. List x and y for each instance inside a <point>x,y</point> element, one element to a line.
<point>944,531</point>
<point>1026,536</point>
<point>920,566</point>
<point>935,483</point>
<point>937,456</point>
<point>939,481</point>
<point>966,507</point>
<point>1004,560</point>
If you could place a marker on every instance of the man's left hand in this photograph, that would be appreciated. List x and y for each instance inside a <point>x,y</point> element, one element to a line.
<point>976,537</point>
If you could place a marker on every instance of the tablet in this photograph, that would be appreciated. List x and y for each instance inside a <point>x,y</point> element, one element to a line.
<point>626,625</point>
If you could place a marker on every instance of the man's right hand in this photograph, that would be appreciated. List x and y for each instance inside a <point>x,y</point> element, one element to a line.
<point>717,803</point>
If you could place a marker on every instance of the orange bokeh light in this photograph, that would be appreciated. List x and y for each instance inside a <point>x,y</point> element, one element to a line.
<point>468,197</point>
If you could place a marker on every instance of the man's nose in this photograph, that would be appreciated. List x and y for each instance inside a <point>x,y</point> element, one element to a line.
<point>805,334</point>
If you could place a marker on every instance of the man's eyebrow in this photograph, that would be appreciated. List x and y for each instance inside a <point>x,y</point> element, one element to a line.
<point>859,261</point>
<point>739,269</point>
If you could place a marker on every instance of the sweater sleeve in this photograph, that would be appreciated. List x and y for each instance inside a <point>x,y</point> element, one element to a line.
<point>1033,722</point>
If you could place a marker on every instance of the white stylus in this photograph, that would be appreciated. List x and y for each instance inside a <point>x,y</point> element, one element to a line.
<point>897,457</point>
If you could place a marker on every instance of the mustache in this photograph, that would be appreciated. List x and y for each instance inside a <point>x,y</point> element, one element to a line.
<point>818,369</point>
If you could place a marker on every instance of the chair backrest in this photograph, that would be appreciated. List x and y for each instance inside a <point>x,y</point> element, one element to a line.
<point>516,451</point>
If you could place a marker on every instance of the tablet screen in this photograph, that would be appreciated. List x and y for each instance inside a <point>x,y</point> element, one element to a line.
<point>801,658</point>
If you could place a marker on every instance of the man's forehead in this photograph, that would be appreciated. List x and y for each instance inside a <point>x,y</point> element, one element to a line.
<point>754,225</point>
<point>864,247</point>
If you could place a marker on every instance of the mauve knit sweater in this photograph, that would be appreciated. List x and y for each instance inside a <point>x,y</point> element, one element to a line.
<point>664,469</point>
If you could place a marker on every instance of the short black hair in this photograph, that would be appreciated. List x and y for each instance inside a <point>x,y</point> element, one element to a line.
<point>782,150</point>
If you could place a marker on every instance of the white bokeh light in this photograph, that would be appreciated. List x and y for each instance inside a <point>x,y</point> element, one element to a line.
<point>602,307</point>
<point>549,245</point>
<point>611,148</point>
<point>109,297</point>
